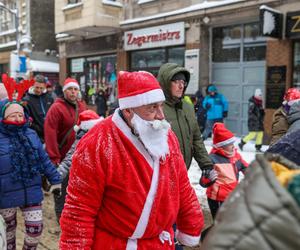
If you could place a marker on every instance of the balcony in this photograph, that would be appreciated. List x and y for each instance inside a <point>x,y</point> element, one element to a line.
<point>89,18</point>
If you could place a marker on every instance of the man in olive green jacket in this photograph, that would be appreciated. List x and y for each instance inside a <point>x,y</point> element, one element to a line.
<point>174,81</point>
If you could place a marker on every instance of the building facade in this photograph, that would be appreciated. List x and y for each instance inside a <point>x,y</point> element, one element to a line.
<point>36,38</point>
<point>88,35</point>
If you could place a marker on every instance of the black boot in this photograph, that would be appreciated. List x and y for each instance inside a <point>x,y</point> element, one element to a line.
<point>241,145</point>
<point>258,149</point>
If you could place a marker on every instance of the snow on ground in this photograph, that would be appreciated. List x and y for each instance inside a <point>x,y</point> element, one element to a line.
<point>194,172</point>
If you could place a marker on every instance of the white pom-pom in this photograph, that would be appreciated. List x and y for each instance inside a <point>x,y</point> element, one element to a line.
<point>76,128</point>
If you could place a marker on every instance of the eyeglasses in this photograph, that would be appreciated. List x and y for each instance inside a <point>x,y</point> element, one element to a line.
<point>183,82</point>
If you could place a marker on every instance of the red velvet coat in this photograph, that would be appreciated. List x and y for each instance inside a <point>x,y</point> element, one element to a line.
<point>60,118</point>
<point>112,176</point>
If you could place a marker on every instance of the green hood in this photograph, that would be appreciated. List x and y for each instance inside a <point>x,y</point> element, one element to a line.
<point>165,74</point>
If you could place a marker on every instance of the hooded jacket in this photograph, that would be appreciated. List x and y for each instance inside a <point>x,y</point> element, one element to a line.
<point>279,125</point>
<point>259,214</point>
<point>38,107</point>
<point>293,117</point>
<point>182,118</point>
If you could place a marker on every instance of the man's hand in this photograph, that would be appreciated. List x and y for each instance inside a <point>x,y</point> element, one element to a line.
<point>208,177</point>
<point>55,189</point>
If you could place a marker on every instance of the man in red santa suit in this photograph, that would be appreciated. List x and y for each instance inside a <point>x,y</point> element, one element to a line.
<point>128,182</point>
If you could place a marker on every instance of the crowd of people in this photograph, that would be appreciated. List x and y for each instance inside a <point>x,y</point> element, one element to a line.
<point>119,180</point>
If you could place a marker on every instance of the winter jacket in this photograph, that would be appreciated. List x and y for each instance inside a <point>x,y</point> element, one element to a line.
<point>228,169</point>
<point>38,107</point>
<point>215,105</point>
<point>293,117</point>
<point>279,125</point>
<point>59,120</point>
<point>3,243</point>
<point>288,146</point>
<point>182,118</point>
<point>256,115</point>
<point>16,193</point>
<point>259,214</point>
<point>101,105</point>
<point>65,165</point>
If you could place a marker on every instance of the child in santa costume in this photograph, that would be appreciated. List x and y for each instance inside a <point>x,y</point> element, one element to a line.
<point>227,163</point>
<point>128,182</point>
<point>86,120</point>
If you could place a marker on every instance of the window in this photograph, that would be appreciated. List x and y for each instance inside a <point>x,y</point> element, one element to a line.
<point>238,42</point>
<point>73,1</point>
<point>254,43</point>
<point>226,44</point>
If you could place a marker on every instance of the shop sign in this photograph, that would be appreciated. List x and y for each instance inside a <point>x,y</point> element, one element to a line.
<point>271,22</point>
<point>293,24</point>
<point>276,78</point>
<point>77,65</point>
<point>191,63</point>
<point>158,36</point>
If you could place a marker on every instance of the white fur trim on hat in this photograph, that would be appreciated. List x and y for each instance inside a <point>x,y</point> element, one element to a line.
<point>87,125</point>
<point>71,84</point>
<point>290,103</point>
<point>152,96</point>
<point>224,143</point>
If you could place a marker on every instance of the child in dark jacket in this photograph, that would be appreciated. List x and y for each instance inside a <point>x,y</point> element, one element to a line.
<point>227,163</point>
<point>256,116</point>
<point>23,162</point>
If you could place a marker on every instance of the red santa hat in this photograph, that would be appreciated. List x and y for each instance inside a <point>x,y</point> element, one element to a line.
<point>221,135</point>
<point>70,82</point>
<point>86,120</point>
<point>291,96</point>
<point>137,89</point>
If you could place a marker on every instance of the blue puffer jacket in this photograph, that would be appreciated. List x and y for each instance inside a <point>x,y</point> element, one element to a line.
<point>17,192</point>
<point>215,106</point>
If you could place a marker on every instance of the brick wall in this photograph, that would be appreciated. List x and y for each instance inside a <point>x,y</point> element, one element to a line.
<point>279,52</point>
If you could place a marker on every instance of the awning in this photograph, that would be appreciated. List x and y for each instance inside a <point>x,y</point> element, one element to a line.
<point>44,66</point>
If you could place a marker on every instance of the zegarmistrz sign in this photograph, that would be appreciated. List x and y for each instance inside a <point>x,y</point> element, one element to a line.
<point>293,24</point>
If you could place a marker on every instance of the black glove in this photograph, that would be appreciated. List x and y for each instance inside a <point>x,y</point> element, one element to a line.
<point>225,114</point>
<point>207,106</point>
<point>55,189</point>
<point>208,177</point>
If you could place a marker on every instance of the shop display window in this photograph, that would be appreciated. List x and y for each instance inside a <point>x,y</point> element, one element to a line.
<point>151,60</point>
<point>296,72</point>
<point>99,74</point>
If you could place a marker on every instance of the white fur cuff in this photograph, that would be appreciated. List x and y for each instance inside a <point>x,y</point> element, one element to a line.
<point>187,239</point>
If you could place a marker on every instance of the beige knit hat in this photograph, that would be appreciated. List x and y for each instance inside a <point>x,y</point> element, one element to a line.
<point>13,108</point>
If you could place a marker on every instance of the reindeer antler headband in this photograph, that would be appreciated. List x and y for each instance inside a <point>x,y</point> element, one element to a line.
<point>12,87</point>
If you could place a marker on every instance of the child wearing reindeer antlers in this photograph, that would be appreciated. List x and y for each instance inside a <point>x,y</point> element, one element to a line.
<point>23,162</point>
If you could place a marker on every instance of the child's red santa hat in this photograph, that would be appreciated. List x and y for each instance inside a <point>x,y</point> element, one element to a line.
<point>221,135</point>
<point>137,89</point>
<point>86,120</point>
<point>70,82</point>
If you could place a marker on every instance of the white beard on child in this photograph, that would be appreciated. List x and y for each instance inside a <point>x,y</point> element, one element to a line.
<point>153,134</point>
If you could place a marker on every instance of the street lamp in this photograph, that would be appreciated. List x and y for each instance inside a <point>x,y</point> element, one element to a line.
<point>16,14</point>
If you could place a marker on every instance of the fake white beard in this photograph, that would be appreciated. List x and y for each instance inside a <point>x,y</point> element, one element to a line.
<point>153,134</point>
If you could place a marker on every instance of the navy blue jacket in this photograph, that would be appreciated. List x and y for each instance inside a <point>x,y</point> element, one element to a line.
<point>15,193</point>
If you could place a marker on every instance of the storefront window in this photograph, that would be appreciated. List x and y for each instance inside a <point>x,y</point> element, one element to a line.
<point>254,43</point>
<point>176,55</point>
<point>296,73</point>
<point>151,60</point>
<point>226,44</point>
<point>99,73</point>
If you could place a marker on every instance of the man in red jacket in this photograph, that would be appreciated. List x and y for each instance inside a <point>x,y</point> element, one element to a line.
<point>58,130</point>
<point>128,182</point>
